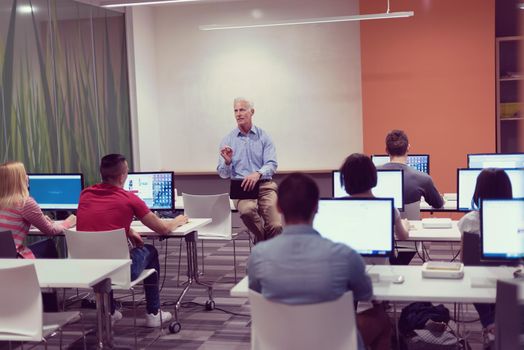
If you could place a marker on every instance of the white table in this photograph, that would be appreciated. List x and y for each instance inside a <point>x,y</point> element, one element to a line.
<point>193,225</point>
<point>418,233</point>
<point>417,288</point>
<point>179,203</point>
<point>80,273</point>
<point>449,206</point>
<point>189,233</point>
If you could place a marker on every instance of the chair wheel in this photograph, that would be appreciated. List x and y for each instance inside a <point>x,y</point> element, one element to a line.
<point>175,327</point>
<point>210,305</point>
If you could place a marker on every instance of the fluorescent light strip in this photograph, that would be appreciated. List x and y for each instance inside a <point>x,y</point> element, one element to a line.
<point>160,2</point>
<point>310,21</point>
<point>521,6</point>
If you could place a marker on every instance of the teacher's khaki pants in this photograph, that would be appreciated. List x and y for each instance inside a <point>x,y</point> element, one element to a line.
<point>261,216</point>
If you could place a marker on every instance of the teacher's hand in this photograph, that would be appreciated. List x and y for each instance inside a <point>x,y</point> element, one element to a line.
<point>227,153</point>
<point>250,181</point>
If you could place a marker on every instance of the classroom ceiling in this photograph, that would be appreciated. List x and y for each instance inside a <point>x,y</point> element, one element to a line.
<point>100,3</point>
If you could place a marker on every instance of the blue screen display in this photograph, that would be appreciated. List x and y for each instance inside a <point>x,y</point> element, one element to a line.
<point>56,191</point>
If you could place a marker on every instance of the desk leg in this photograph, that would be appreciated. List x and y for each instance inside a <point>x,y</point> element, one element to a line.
<point>192,277</point>
<point>103,313</point>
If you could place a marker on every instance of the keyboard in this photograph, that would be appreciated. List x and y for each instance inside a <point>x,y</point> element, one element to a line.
<point>436,223</point>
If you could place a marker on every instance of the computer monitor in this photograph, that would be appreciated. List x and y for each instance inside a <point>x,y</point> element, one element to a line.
<point>417,161</point>
<point>496,160</point>
<point>467,180</point>
<point>56,191</point>
<point>364,224</point>
<point>390,184</point>
<point>502,228</point>
<point>156,189</point>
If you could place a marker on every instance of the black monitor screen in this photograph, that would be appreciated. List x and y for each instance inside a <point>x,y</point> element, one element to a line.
<point>156,189</point>
<point>416,161</point>
<point>56,191</point>
<point>502,228</point>
<point>366,225</point>
<point>496,160</point>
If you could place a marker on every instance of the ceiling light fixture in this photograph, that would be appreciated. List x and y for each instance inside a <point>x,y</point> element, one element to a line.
<point>291,22</point>
<point>521,6</point>
<point>140,3</point>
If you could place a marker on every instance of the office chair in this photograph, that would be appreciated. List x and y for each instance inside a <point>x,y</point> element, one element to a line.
<point>328,325</point>
<point>218,208</point>
<point>21,315</point>
<point>107,245</point>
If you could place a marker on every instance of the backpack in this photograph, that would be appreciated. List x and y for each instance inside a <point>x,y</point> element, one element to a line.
<point>425,326</point>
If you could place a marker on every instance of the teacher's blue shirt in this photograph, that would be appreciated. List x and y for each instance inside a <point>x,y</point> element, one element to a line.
<point>252,152</point>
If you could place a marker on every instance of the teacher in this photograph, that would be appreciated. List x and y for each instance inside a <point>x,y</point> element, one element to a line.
<point>248,153</point>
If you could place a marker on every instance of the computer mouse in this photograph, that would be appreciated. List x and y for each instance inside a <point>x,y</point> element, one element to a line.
<point>398,279</point>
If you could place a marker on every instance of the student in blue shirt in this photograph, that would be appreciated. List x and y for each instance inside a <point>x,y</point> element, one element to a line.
<point>248,153</point>
<point>301,267</point>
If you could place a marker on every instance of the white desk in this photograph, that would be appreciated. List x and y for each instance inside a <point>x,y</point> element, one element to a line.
<point>181,231</point>
<point>418,233</point>
<point>449,206</point>
<point>416,288</point>
<point>179,203</point>
<point>80,273</point>
<point>189,233</point>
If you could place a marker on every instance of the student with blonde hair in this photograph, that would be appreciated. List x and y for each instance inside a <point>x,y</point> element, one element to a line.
<point>18,211</point>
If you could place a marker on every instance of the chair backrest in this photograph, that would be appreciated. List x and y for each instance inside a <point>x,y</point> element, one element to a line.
<point>7,245</point>
<point>508,316</point>
<point>214,206</point>
<point>411,211</point>
<point>329,325</point>
<point>471,255</point>
<point>101,245</point>
<point>21,315</point>
<point>471,249</point>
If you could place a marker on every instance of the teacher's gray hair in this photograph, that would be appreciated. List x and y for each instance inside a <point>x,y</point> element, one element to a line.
<point>249,103</point>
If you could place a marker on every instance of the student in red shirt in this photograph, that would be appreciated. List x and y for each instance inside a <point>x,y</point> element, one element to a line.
<point>107,206</point>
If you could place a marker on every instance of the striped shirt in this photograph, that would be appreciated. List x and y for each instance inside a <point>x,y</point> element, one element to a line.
<point>19,220</point>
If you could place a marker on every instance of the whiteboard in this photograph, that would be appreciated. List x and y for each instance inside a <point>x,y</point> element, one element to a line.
<point>305,82</point>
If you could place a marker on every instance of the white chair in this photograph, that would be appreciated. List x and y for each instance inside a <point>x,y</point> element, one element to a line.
<point>21,310</point>
<point>411,211</point>
<point>328,325</point>
<point>218,208</point>
<point>107,245</point>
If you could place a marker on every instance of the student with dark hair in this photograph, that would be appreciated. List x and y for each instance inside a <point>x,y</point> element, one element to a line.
<point>301,267</point>
<point>416,183</point>
<point>107,206</point>
<point>491,183</point>
<point>358,175</point>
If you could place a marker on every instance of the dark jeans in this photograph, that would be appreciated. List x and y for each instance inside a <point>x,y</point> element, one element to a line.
<point>142,259</point>
<point>486,313</point>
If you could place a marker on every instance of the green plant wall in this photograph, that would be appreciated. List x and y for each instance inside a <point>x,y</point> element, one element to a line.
<point>64,97</point>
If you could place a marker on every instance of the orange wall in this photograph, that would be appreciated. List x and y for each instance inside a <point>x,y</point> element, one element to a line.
<point>432,75</point>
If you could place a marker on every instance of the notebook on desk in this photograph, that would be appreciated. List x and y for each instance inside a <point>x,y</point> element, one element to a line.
<point>237,192</point>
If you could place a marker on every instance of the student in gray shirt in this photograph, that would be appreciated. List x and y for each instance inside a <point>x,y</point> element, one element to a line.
<point>301,267</point>
<point>416,183</point>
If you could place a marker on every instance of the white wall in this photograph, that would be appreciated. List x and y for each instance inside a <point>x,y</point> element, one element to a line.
<point>142,52</point>
<point>304,80</point>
